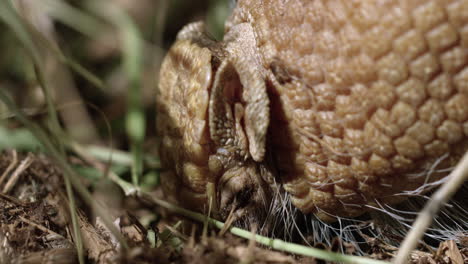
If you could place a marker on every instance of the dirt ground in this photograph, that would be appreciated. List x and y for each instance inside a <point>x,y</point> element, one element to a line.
<point>36,227</point>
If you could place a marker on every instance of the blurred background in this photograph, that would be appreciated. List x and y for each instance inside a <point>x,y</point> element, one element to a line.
<point>78,85</point>
<point>96,63</point>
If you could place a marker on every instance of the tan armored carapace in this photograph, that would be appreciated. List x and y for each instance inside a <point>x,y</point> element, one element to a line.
<point>345,104</point>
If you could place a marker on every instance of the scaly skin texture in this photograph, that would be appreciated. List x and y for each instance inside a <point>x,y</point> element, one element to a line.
<point>366,100</point>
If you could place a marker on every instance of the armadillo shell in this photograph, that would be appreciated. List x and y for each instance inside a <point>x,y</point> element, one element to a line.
<point>371,97</point>
<point>369,100</point>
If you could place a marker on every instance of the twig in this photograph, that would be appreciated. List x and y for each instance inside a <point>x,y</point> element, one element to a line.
<point>12,200</point>
<point>177,233</point>
<point>229,220</point>
<point>454,181</point>
<point>10,167</point>
<point>15,176</point>
<point>41,227</point>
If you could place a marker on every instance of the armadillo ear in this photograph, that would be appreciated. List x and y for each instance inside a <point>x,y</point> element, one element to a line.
<point>227,114</point>
<point>242,52</point>
<point>220,116</point>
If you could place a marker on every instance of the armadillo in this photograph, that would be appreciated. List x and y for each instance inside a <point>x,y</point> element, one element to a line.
<point>344,105</point>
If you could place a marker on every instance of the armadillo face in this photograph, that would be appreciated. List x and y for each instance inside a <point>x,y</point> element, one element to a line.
<point>365,103</point>
<point>213,116</point>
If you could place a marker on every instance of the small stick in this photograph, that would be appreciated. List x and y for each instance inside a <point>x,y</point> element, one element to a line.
<point>10,167</point>
<point>40,227</point>
<point>12,200</point>
<point>177,233</point>
<point>15,176</point>
<point>228,223</point>
<point>454,181</point>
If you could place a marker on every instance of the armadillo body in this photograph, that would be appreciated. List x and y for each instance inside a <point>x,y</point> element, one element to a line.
<point>347,105</point>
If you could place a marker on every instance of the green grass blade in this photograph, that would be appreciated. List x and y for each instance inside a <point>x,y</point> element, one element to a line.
<point>118,156</point>
<point>132,47</point>
<point>74,18</point>
<point>276,244</point>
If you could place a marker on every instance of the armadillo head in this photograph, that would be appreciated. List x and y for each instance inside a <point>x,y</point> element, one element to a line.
<point>213,117</point>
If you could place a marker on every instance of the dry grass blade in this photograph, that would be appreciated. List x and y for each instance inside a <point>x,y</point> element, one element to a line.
<point>15,176</point>
<point>9,168</point>
<point>454,181</point>
<point>40,227</point>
